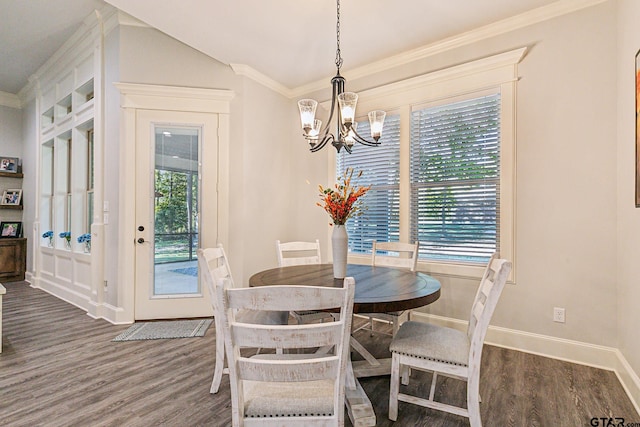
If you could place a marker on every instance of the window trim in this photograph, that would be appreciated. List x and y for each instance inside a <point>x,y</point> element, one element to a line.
<point>498,73</point>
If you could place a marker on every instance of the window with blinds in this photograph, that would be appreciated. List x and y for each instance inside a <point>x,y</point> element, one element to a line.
<point>380,168</point>
<point>455,178</point>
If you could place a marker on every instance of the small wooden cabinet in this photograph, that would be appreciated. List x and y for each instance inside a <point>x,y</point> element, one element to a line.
<point>13,259</point>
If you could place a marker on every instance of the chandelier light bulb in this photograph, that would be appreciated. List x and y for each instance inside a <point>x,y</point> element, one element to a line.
<point>315,130</point>
<point>347,102</point>
<point>350,138</point>
<point>307,109</point>
<point>376,121</point>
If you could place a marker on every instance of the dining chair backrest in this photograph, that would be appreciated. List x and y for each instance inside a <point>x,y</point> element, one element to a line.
<point>491,285</point>
<point>407,254</point>
<point>213,265</point>
<point>310,387</point>
<point>214,261</point>
<point>298,253</point>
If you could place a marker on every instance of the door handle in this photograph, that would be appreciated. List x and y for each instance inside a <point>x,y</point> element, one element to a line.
<point>140,240</point>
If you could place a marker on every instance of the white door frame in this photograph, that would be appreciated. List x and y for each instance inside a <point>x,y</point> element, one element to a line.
<point>166,98</point>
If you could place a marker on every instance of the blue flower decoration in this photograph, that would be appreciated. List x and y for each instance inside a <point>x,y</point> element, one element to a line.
<point>84,238</point>
<point>47,234</point>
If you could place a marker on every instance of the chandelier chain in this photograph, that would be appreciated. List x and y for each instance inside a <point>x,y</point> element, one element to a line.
<point>338,56</point>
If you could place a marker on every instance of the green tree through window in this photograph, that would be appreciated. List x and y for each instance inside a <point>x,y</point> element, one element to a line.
<point>176,213</point>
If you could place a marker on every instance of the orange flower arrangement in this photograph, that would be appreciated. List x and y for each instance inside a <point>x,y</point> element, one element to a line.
<point>342,202</point>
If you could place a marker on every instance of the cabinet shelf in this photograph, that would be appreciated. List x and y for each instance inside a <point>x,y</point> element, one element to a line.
<point>15,207</point>
<point>11,174</point>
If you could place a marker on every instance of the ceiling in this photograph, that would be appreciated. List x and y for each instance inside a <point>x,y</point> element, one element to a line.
<point>292,42</point>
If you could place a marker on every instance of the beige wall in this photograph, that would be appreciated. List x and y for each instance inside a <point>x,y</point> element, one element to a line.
<point>628,230</point>
<point>262,204</point>
<point>566,177</point>
<point>11,131</point>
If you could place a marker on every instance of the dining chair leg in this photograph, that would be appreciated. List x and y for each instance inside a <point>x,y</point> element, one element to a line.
<point>350,377</point>
<point>217,373</point>
<point>473,401</point>
<point>406,374</point>
<point>395,327</point>
<point>394,388</point>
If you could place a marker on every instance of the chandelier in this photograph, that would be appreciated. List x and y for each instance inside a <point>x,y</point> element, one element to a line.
<point>346,134</point>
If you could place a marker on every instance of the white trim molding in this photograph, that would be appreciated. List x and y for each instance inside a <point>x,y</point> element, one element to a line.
<point>597,356</point>
<point>10,100</point>
<point>175,98</point>
<point>257,76</point>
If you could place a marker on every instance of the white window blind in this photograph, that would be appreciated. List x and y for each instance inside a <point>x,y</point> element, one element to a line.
<point>380,168</point>
<point>455,177</point>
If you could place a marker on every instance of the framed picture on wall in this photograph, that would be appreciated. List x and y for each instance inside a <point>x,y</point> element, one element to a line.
<point>11,197</point>
<point>637,107</point>
<point>8,164</point>
<point>10,229</point>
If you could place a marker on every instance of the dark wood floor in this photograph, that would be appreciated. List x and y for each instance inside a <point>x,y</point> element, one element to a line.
<point>59,368</point>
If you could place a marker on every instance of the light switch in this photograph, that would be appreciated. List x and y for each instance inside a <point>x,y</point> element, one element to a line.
<point>105,206</point>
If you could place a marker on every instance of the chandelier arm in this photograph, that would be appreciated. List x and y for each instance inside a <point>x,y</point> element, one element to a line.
<point>364,141</point>
<point>337,85</point>
<point>331,112</point>
<point>322,143</point>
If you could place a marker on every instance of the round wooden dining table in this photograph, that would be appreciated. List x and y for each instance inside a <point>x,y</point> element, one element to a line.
<point>378,289</point>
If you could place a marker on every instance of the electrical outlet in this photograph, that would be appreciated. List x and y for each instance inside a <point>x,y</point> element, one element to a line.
<point>558,314</point>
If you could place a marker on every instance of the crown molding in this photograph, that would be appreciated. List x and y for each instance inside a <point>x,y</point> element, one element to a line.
<point>175,98</point>
<point>10,100</point>
<point>543,13</point>
<point>129,21</point>
<point>257,76</point>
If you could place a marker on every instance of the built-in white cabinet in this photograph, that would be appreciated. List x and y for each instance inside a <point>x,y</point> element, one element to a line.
<point>66,159</point>
<point>68,107</point>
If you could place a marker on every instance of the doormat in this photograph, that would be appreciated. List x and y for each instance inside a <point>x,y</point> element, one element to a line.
<point>165,329</point>
<point>189,271</point>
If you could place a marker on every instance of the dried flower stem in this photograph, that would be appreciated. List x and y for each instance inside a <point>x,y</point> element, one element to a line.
<point>342,202</point>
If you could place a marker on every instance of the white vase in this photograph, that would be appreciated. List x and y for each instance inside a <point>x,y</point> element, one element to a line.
<point>339,245</point>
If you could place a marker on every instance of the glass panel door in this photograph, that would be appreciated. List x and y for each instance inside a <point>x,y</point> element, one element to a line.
<point>173,188</point>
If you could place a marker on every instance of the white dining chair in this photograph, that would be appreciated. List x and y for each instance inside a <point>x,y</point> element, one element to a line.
<point>287,389</point>
<point>446,351</point>
<point>301,253</point>
<point>381,256</point>
<point>213,265</point>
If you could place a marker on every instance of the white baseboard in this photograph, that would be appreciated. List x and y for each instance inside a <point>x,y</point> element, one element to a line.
<point>62,292</point>
<point>104,311</point>
<point>597,356</point>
